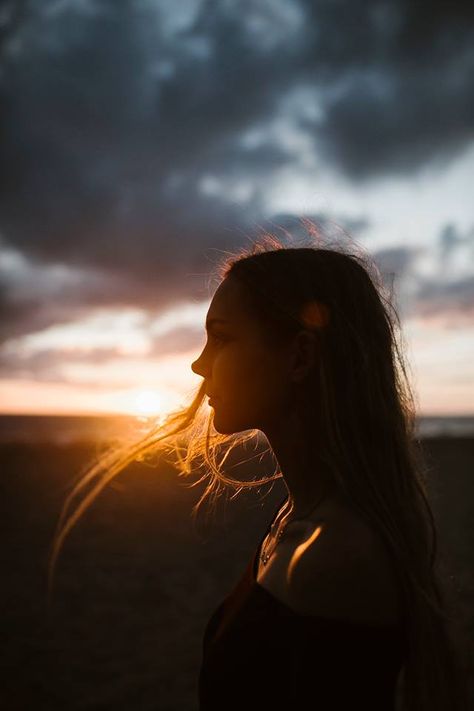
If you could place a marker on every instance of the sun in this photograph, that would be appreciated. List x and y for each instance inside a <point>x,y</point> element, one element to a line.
<point>145,402</point>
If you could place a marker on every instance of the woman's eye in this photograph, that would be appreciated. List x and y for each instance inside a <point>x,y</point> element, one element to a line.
<point>216,338</point>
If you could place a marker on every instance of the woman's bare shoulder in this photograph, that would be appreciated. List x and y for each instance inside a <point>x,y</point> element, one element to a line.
<point>340,568</point>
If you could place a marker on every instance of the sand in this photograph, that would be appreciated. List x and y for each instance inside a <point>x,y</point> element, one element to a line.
<point>136,582</point>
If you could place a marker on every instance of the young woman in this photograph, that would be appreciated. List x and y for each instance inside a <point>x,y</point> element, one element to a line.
<point>341,606</point>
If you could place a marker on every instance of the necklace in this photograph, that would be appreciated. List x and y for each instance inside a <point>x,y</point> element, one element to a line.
<point>266,554</point>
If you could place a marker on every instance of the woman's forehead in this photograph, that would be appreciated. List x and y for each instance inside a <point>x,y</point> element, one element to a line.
<point>227,304</point>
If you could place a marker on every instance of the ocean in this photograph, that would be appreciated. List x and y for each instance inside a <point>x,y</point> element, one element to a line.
<point>65,430</point>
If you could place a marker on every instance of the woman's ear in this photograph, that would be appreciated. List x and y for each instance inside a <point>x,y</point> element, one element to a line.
<point>303,355</point>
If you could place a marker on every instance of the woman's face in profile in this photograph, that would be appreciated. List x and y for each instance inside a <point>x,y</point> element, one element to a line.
<point>247,380</point>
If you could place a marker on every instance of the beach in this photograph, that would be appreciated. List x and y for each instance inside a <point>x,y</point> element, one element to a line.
<point>136,581</point>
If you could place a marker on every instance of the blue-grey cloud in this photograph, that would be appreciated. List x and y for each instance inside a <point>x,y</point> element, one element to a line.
<point>116,118</point>
<point>451,301</point>
<point>451,238</point>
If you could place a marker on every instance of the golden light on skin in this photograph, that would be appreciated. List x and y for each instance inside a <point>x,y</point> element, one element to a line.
<point>299,551</point>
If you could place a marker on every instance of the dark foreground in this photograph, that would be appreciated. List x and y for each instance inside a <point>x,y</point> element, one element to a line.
<point>136,582</point>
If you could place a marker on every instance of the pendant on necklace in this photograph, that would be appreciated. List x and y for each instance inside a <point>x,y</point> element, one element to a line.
<point>265,557</point>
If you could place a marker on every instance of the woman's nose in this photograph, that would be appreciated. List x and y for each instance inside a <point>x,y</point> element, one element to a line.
<point>195,368</point>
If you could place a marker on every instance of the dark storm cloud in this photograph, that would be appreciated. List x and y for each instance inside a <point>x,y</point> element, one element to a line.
<point>398,80</point>
<point>107,154</point>
<point>115,114</point>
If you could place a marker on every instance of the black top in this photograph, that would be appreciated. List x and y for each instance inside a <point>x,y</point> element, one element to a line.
<point>260,653</point>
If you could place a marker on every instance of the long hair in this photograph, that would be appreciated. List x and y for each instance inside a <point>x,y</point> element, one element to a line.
<point>366,409</point>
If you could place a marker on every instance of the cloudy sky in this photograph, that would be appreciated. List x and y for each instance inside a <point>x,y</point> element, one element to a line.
<point>142,139</point>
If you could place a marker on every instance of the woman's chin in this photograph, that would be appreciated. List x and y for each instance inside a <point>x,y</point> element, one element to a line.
<point>228,427</point>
